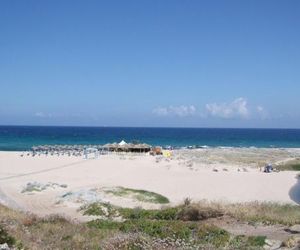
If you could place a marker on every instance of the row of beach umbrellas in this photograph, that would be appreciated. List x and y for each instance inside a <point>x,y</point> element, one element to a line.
<point>122,146</point>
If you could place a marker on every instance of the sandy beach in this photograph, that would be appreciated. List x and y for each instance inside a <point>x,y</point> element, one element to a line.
<point>221,174</point>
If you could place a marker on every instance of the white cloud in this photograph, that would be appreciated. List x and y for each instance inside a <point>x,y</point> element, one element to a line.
<point>181,111</point>
<point>260,109</point>
<point>239,108</point>
<point>42,115</point>
<point>262,112</point>
<point>236,109</point>
<point>160,111</point>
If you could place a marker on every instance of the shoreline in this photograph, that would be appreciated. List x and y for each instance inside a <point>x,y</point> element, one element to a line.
<point>166,147</point>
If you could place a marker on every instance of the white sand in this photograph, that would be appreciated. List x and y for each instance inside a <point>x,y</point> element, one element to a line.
<point>175,179</point>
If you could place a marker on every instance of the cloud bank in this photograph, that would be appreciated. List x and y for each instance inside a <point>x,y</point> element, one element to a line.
<point>181,111</point>
<point>263,114</point>
<point>239,108</point>
<point>43,115</point>
<point>236,109</point>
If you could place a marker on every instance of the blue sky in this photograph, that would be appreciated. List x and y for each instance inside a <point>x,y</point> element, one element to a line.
<point>150,63</point>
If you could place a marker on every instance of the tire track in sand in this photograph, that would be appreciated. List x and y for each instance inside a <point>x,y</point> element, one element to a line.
<point>44,170</point>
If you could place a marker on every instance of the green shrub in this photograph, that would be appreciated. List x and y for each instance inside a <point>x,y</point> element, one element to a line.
<point>153,228</point>
<point>185,213</point>
<point>213,235</point>
<point>258,241</point>
<point>159,229</point>
<point>159,214</point>
<point>135,213</point>
<point>100,209</point>
<point>105,224</point>
<point>6,238</point>
<point>244,242</point>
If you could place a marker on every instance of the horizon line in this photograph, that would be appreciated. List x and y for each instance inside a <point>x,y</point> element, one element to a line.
<point>178,127</point>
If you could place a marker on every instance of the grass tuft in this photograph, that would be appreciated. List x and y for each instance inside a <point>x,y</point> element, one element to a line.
<point>263,212</point>
<point>138,194</point>
<point>213,235</point>
<point>155,214</point>
<point>293,165</point>
<point>244,242</point>
<point>258,241</point>
<point>101,209</point>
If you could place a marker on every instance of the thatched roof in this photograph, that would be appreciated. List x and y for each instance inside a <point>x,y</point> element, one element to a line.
<point>126,146</point>
<point>122,143</point>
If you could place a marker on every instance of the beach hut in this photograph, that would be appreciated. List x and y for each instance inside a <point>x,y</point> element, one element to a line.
<point>140,148</point>
<point>123,146</point>
<point>127,147</point>
<point>111,146</point>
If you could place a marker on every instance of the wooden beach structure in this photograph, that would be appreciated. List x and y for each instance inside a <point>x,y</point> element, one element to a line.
<point>127,147</point>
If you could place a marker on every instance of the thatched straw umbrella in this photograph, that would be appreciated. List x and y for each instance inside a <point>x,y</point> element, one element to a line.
<point>111,146</point>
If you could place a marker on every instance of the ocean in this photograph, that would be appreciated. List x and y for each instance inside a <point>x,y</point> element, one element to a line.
<point>19,138</point>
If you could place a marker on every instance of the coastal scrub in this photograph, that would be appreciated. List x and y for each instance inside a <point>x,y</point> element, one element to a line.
<point>138,194</point>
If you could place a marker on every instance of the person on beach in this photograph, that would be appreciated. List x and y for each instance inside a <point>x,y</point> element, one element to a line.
<point>268,168</point>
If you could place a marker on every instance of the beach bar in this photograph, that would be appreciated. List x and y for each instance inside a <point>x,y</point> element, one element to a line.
<point>127,147</point>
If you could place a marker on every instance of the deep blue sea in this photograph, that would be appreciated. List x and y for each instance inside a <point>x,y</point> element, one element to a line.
<point>14,138</point>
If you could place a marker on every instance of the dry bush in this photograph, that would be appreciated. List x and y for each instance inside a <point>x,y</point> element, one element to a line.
<point>29,220</point>
<point>187,201</point>
<point>265,212</point>
<point>53,232</point>
<point>56,218</point>
<point>292,242</point>
<point>194,212</point>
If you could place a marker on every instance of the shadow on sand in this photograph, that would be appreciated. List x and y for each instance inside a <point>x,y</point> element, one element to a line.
<point>294,192</point>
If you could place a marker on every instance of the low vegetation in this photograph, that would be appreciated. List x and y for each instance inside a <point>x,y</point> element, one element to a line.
<point>195,235</point>
<point>25,231</point>
<point>191,212</point>
<point>137,194</point>
<point>252,212</point>
<point>255,212</point>
<point>174,223</point>
<point>187,226</point>
<point>293,165</point>
<point>180,226</point>
<point>102,209</point>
